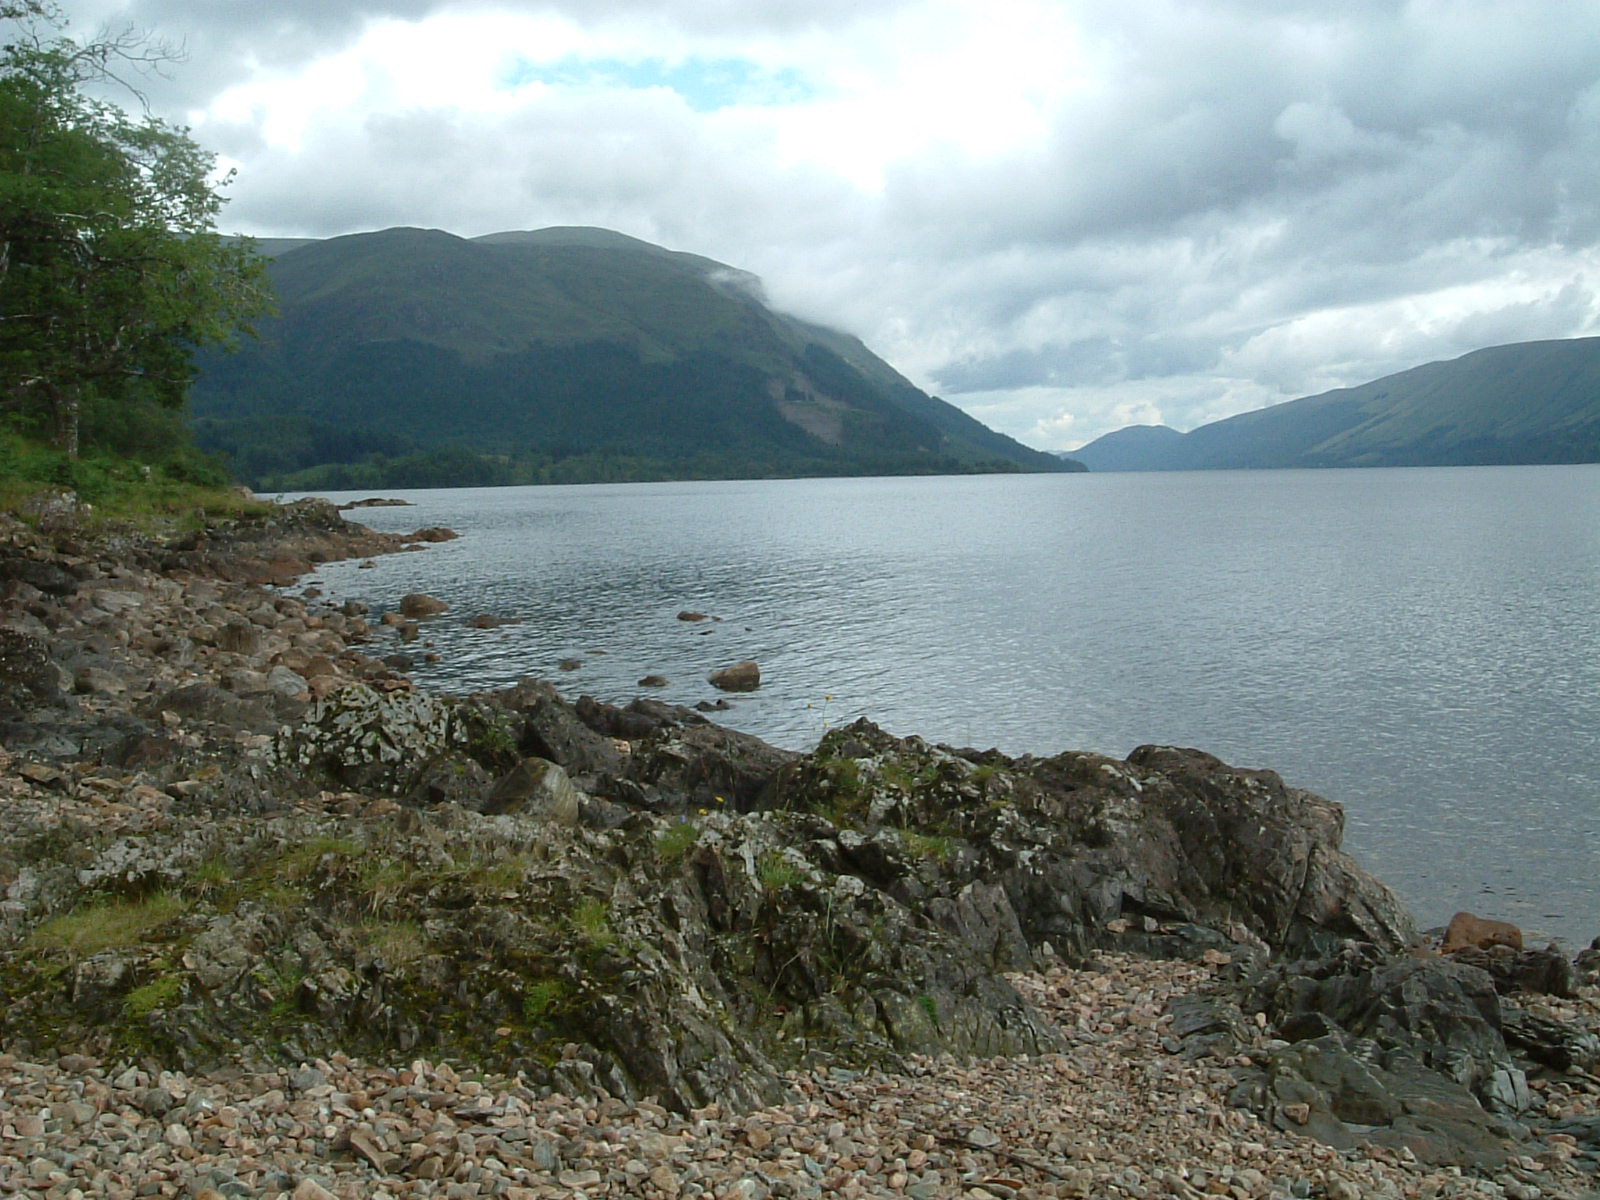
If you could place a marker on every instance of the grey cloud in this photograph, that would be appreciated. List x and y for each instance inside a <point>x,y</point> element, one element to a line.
<point>1090,361</point>
<point>639,164</point>
<point>1230,171</point>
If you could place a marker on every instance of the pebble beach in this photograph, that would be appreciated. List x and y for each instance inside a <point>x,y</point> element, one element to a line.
<point>1117,1116</point>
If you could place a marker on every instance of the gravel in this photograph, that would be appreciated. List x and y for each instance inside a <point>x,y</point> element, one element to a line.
<point>1114,1116</point>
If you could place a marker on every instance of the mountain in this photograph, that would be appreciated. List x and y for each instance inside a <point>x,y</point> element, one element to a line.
<point>412,356</point>
<point>1530,402</point>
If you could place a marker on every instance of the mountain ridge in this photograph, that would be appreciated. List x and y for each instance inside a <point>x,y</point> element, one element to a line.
<point>1520,403</point>
<point>558,355</point>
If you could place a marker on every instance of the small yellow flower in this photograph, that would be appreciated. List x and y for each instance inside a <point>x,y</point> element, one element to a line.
<point>704,811</point>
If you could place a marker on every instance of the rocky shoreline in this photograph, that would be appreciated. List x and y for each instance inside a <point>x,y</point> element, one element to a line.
<point>275,923</point>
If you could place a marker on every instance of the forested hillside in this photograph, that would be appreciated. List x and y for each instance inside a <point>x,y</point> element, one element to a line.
<point>412,356</point>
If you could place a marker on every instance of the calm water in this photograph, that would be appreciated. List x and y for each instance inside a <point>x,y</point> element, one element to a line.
<point>1420,645</point>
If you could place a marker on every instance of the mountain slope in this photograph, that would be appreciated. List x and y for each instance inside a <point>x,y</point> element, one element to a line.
<point>565,354</point>
<point>1129,449</point>
<point>1530,402</point>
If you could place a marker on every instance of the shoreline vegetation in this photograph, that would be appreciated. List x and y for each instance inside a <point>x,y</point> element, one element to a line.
<point>274,922</point>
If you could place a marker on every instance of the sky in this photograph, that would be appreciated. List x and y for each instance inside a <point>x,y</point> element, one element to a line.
<point>1064,217</point>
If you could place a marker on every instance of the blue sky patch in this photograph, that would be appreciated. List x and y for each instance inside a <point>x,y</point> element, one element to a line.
<point>706,84</point>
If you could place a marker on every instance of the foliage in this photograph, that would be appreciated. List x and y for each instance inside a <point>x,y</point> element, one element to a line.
<point>159,993</point>
<point>398,943</point>
<point>186,485</point>
<point>111,269</point>
<point>545,999</point>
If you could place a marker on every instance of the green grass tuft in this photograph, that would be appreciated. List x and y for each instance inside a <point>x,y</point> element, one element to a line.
<point>157,994</point>
<point>545,999</point>
<point>777,873</point>
<point>591,921</point>
<point>87,931</point>
<point>675,842</point>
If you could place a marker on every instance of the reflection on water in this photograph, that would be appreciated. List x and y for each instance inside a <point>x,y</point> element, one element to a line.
<point>1420,645</point>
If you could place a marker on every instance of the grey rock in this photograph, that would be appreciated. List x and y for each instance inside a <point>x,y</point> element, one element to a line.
<point>209,703</point>
<point>536,786</point>
<point>282,681</point>
<point>551,728</point>
<point>29,679</point>
<point>47,577</point>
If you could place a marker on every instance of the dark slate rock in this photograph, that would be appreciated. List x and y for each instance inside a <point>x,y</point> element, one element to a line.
<point>29,679</point>
<point>553,729</point>
<point>50,578</point>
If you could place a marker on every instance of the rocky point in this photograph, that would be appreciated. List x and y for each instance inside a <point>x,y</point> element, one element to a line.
<point>275,923</point>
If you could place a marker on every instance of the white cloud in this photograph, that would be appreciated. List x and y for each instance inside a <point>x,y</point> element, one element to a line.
<point>1058,213</point>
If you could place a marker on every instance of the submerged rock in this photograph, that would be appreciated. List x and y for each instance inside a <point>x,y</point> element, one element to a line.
<point>740,677</point>
<point>417,605</point>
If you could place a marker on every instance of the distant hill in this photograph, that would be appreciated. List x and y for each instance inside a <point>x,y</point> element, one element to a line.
<point>412,356</point>
<point>1128,449</point>
<point>1531,402</point>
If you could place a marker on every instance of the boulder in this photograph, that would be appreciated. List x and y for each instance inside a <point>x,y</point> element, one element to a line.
<point>363,738</point>
<point>538,787</point>
<point>208,703</point>
<point>705,766</point>
<point>418,605</point>
<point>1467,931</point>
<point>1552,1043</point>
<point>1168,839</point>
<point>97,681</point>
<point>1442,1014</point>
<point>450,779</point>
<point>1343,1092</point>
<point>742,676</point>
<point>47,577</point>
<point>549,727</point>
<point>1210,831</point>
<point>239,637</point>
<point>29,679</point>
<point>282,681</point>
<point>1540,972</point>
<point>488,621</point>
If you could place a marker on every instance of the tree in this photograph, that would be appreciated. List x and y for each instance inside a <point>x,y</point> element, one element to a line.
<point>111,269</point>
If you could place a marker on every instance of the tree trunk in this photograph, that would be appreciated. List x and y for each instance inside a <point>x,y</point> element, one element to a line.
<point>64,402</point>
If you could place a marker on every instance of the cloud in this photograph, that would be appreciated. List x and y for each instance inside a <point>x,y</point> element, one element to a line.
<point>1057,213</point>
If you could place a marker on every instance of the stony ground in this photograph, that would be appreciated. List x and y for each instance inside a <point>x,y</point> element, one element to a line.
<point>1115,1116</point>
